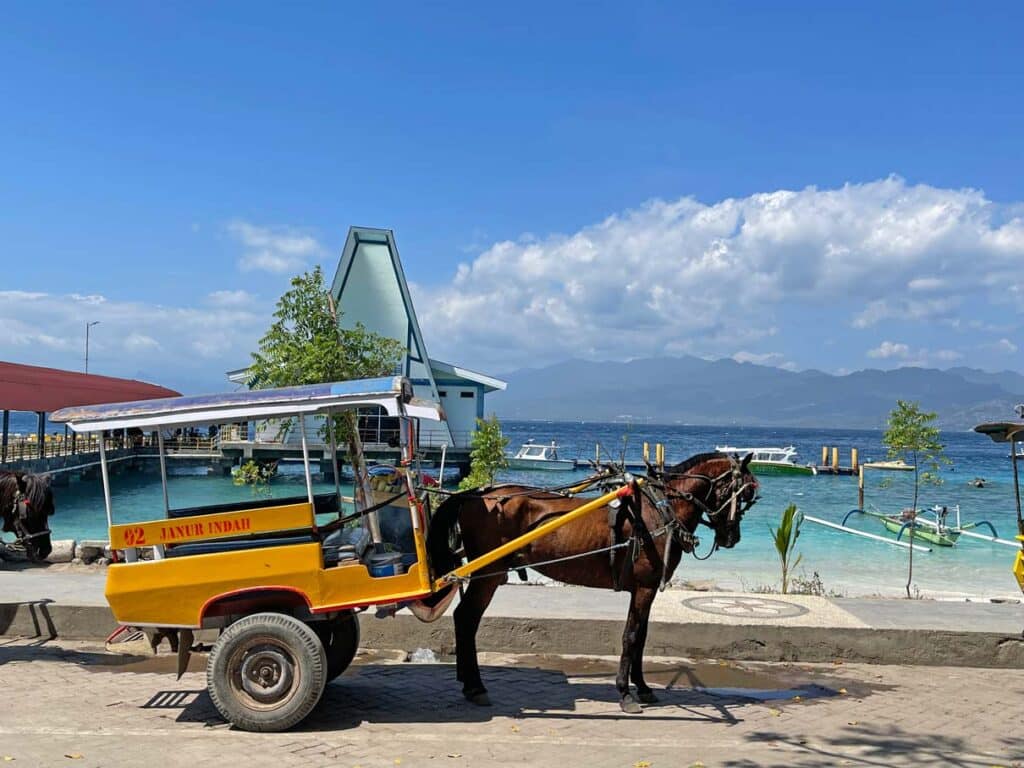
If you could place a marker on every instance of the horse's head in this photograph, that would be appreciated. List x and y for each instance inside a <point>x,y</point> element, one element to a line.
<point>27,505</point>
<point>720,488</point>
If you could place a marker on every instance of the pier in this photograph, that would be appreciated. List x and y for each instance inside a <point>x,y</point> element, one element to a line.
<point>830,462</point>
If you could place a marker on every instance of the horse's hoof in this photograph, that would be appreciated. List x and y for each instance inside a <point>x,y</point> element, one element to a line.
<point>480,698</point>
<point>629,705</point>
<point>647,697</point>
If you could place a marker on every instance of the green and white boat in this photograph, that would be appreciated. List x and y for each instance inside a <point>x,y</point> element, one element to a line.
<point>771,461</point>
<point>933,531</point>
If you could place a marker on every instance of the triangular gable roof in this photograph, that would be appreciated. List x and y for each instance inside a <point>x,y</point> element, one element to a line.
<point>372,294</point>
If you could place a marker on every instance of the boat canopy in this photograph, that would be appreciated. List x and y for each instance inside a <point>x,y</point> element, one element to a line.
<point>1002,431</point>
<point>393,394</point>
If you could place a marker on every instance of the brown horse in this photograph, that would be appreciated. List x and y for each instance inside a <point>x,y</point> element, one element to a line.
<point>652,528</point>
<point>26,503</point>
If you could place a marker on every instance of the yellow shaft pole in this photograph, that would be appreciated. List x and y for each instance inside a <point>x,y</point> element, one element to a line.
<point>527,538</point>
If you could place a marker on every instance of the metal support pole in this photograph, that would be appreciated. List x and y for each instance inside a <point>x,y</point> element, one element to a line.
<point>1016,485</point>
<point>305,461</point>
<point>163,471</point>
<point>7,429</point>
<point>362,491</point>
<point>41,433</point>
<point>158,549</point>
<point>334,459</point>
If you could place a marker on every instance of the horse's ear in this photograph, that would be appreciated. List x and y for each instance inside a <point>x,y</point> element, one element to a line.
<point>746,461</point>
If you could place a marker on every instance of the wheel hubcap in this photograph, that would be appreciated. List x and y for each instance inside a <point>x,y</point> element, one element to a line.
<point>267,674</point>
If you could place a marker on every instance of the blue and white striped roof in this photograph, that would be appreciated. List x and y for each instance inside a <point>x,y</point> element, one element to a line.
<point>393,394</point>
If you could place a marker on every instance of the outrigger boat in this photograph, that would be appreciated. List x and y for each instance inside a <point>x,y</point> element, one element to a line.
<point>929,527</point>
<point>934,531</point>
<point>283,588</point>
<point>771,461</point>
<point>533,455</point>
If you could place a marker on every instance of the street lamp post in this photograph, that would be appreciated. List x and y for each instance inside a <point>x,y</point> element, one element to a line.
<point>88,325</point>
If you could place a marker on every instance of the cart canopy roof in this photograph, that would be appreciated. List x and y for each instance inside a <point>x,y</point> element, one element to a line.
<point>1002,431</point>
<point>393,394</point>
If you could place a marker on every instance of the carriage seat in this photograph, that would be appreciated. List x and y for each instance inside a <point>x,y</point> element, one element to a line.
<point>235,545</point>
<point>344,545</point>
<point>323,504</point>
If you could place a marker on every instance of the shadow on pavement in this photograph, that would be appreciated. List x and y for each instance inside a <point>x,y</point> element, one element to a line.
<point>418,693</point>
<point>882,747</point>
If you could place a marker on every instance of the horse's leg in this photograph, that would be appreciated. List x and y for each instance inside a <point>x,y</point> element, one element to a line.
<point>629,637</point>
<point>467,619</point>
<point>643,600</point>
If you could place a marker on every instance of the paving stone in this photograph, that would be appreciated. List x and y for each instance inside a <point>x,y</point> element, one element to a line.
<point>562,712</point>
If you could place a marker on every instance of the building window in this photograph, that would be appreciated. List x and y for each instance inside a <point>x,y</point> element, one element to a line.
<point>442,393</point>
<point>466,394</point>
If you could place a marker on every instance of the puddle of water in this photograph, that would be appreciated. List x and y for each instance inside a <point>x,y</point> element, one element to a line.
<point>770,694</point>
<point>670,675</point>
<point>140,665</point>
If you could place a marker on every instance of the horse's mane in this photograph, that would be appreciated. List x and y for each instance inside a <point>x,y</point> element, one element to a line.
<point>693,461</point>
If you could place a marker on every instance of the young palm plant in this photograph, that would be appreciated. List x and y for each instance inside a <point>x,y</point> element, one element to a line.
<point>784,537</point>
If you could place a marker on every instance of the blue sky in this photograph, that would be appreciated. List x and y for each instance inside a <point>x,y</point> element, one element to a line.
<point>165,169</point>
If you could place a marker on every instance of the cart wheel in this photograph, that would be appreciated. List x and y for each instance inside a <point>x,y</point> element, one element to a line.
<point>266,672</point>
<point>341,640</point>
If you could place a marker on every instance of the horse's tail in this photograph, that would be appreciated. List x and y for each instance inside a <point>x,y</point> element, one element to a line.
<point>441,543</point>
<point>442,553</point>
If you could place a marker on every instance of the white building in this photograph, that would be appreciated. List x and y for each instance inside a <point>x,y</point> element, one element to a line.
<point>370,288</point>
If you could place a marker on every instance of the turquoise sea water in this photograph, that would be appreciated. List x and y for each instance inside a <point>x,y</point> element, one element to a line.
<point>845,563</point>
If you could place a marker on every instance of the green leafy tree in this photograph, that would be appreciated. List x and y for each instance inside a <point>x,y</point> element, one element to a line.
<point>306,345</point>
<point>784,537</point>
<point>487,454</point>
<point>911,435</point>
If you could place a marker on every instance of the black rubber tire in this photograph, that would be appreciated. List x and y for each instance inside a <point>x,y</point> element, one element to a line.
<point>242,667</point>
<point>340,637</point>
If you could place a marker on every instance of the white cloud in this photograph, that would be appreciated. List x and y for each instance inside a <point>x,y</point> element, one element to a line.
<point>923,284</point>
<point>890,349</point>
<point>272,250</point>
<point>1005,345</point>
<point>709,279</point>
<point>230,298</point>
<point>171,343</point>
<point>759,358</point>
<point>137,342</point>
<point>896,351</point>
<point>774,359</point>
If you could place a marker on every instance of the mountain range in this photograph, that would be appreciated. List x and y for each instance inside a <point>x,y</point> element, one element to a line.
<point>692,390</point>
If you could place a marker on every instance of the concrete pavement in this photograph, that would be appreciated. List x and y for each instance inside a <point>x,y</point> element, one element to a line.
<point>67,602</point>
<point>67,704</point>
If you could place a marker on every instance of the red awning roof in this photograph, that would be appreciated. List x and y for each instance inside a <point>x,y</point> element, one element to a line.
<point>31,388</point>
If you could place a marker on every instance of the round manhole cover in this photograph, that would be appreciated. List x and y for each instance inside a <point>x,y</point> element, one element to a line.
<point>745,607</point>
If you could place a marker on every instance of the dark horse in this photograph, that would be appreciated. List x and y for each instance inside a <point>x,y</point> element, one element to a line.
<point>662,515</point>
<point>26,503</point>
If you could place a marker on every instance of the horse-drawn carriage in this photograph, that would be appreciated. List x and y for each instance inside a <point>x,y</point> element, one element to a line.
<point>284,588</point>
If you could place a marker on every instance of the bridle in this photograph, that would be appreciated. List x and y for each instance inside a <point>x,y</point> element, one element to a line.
<point>19,520</point>
<point>722,517</point>
<point>732,507</point>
